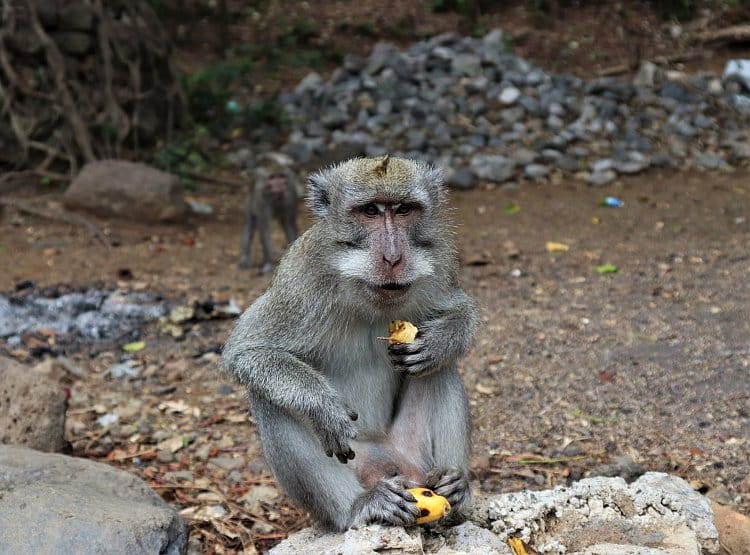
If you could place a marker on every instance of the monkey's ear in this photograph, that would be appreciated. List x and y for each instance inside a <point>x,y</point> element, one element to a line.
<point>318,198</point>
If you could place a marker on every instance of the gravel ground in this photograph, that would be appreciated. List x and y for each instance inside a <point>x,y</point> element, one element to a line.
<point>573,370</point>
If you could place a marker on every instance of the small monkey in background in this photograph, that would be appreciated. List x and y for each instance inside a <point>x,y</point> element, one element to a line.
<point>348,422</point>
<point>273,195</point>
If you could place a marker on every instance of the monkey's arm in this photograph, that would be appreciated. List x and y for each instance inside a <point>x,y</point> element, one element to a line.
<point>289,383</point>
<point>442,338</point>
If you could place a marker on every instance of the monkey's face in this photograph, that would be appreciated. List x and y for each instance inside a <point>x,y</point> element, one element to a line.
<point>384,221</point>
<point>382,252</point>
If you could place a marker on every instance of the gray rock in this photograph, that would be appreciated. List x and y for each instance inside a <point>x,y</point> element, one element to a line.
<point>471,539</point>
<point>646,75</point>
<point>566,163</point>
<point>57,504</point>
<point>228,463</point>
<point>509,95</point>
<point>300,152</point>
<point>462,178</point>
<point>257,495</point>
<point>366,540</point>
<point>524,156</point>
<point>658,511</point>
<point>601,178</point>
<point>535,171</point>
<point>679,92</point>
<point>128,190</point>
<point>711,162</point>
<point>466,64</point>
<point>32,408</point>
<point>658,514</point>
<point>311,83</point>
<point>738,71</point>
<point>740,149</point>
<point>494,40</point>
<point>337,152</point>
<point>493,167</point>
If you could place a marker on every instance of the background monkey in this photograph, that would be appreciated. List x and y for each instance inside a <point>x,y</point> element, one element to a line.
<point>321,383</point>
<point>273,195</point>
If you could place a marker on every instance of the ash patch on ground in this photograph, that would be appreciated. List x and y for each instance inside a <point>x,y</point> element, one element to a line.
<point>88,316</point>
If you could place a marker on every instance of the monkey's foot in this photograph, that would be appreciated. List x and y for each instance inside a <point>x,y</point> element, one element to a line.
<point>243,263</point>
<point>388,502</point>
<point>267,268</point>
<point>452,483</point>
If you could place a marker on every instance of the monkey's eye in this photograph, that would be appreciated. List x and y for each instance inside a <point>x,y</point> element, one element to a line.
<point>404,209</point>
<point>370,209</point>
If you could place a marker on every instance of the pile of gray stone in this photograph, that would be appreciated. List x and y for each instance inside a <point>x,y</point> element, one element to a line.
<point>471,106</point>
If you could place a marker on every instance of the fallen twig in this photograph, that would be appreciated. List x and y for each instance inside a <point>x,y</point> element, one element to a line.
<point>733,34</point>
<point>658,60</point>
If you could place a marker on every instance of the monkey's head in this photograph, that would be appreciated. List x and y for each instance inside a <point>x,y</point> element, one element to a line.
<point>383,219</point>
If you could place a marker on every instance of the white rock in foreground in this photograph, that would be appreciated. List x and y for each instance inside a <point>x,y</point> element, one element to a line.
<point>658,514</point>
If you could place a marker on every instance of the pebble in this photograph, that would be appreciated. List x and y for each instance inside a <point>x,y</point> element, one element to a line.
<point>470,105</point>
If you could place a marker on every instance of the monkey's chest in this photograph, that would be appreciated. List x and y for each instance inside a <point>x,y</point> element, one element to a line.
<point>362,373</point>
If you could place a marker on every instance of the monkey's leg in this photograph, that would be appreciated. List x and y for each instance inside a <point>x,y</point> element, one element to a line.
<point>247,239</point>
<point>290,224</point>
<point>329,490</point>
<point>265,239</point>
<point>432,423</point>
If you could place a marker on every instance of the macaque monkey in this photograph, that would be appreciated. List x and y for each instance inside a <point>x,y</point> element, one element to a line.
<point>273,195</point>
<point>347,421</point>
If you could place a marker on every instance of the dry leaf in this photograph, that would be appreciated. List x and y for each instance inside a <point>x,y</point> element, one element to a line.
<point>557,247</point>
<point>484,390</point>
<point>520,548</point>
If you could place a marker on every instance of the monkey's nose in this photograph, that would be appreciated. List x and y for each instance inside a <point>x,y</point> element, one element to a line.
<point>392,260</point>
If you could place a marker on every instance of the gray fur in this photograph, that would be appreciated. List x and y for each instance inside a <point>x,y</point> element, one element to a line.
<point>319,380</point>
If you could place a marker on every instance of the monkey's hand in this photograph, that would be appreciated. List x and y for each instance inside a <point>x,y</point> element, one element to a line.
<point>424,355</point>
<point>387,502</point>
<point>452,483</point>
<point>335,429</point>
<point>439,341</point>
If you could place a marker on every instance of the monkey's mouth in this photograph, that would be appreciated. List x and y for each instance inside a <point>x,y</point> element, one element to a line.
<point>391,289</point>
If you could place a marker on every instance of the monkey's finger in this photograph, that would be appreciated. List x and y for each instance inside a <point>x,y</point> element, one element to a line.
<point>350,454</point>
<point>411,508</point>
<point>342,458</point>
<point>408,496</point>
<point>450,478</point>
<point>414,359</point>
<point>352,413</point>
<point>406,348</point>
<point>449,490</point>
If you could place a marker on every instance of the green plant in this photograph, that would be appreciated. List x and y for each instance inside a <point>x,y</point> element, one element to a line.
<point>266,111</point>
<point>208,89</point>
<point>184,155</point>
<point>365,29</point>
<point>680,10</point>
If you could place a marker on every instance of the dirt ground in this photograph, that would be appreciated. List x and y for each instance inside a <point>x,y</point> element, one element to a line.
<point>571,369</point>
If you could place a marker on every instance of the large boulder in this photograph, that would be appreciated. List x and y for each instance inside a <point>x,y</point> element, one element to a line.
<point>32,408</point>
<point>658,514</point>
<point>57,504</point>
<point>127,190</point>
